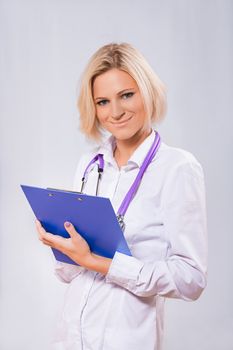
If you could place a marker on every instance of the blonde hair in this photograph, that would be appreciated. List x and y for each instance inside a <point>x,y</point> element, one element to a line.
<point>126,58</point>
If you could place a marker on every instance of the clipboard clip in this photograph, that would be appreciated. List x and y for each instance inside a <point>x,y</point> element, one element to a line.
<point>62,190</point>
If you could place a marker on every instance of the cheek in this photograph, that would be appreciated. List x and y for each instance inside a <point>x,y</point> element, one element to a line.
<point>101,115</point>
<point>135,104</point>
<point>138,108</point>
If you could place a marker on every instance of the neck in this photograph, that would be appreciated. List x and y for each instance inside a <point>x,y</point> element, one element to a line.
<point>125,148</point>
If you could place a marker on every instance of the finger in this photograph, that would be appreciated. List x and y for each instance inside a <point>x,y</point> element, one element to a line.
<point>39,227</point>
<point>40,230</point>
<point>45,236</point>
<point>48,238</point>
<point>38,224</point>
<point>53,241</point>
<point>70,229</point>
<point>48,243</point>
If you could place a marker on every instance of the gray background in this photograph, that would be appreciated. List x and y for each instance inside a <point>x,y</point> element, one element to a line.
<point>44,47</point>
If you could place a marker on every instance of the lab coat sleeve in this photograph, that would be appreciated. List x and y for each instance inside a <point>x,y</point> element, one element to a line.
<point>182,274</point>
<point>66,272</point>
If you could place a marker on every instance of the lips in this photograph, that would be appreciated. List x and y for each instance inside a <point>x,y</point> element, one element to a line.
<point>122,121</point>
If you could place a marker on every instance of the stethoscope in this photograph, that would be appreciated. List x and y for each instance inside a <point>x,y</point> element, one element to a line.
<point>133,189</point>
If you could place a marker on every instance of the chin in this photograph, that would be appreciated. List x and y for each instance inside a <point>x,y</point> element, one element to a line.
<point>124,135</point>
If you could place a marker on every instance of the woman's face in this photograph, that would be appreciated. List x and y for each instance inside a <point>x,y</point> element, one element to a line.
<point>119,105</point>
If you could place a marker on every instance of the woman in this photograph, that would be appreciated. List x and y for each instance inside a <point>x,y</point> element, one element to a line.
<point>118,303</point>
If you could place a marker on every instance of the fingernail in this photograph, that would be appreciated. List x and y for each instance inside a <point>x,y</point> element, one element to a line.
<point>67,224</point>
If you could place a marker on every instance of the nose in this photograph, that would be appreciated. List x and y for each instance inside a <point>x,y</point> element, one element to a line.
<point>117,111</point>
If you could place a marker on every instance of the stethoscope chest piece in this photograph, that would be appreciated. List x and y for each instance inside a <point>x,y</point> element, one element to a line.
<point>120,219</point>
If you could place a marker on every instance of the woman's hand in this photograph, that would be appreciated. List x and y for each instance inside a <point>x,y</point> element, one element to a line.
<point>74,247</point>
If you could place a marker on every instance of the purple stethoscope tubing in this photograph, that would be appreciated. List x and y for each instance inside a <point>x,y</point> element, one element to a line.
<point>100,159</point>
<point>133,189</point>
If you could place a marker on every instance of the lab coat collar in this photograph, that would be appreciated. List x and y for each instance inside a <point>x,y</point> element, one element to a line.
<point>137,157</point>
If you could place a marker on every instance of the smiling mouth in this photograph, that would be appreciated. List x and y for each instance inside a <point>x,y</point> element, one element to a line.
<point>122,121</point>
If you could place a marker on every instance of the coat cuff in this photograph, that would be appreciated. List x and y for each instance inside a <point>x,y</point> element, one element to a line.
<point>66,272</point>
<point>124,270</point>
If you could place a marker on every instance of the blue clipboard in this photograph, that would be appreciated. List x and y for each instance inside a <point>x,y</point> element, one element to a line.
<point>93,217</point>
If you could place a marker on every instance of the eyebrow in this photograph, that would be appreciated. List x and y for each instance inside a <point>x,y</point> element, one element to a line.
<point>120,92</point>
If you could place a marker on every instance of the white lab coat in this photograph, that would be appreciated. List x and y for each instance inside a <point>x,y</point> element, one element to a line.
<point>167,234</point>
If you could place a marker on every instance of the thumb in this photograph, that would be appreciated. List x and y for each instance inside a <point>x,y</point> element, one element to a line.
<point>70,229</point>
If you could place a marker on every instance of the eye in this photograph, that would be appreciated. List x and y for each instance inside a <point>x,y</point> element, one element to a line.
<point>127,95</point>
<point>102,102</point>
